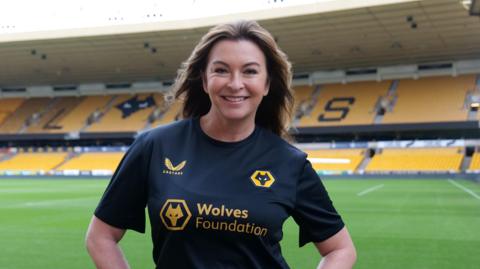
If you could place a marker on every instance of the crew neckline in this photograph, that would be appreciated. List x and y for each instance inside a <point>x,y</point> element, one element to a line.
<point>249,138</point>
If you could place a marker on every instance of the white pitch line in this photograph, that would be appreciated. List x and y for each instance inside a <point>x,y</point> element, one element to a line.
<point>465,189</point>
<point>374,188</point>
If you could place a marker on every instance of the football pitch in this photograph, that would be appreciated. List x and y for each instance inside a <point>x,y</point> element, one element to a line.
<point>394,224</point>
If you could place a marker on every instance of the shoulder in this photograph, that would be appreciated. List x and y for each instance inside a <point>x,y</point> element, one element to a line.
<point>168,131</point>
<point>282,147</point>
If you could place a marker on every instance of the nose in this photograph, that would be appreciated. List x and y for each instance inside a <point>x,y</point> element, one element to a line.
<point>236,82</point>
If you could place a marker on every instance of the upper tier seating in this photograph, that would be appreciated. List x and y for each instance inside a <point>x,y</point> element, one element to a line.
<point>433,99</point>
<point>24,112</point>
<point>76,119</point>
<point>303,94</point>
<point>346,104</point>
<point>7,107</point>
<point>49,121</point>
<point>128,113</point>
<point>170,115</point>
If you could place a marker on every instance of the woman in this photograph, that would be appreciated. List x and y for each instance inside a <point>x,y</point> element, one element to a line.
<point>220,184</point>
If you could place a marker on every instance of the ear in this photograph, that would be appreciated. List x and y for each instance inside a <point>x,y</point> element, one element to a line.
<point>204,81</point>
<point>267,87</point>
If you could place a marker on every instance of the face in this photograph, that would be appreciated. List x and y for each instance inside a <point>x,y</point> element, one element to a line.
<point>235,80</point>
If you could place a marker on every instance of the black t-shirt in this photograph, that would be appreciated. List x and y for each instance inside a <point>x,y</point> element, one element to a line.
<point>215,204</point>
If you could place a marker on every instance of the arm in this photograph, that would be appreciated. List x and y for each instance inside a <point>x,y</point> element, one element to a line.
<point>102,245</point>
<point>338,251</point>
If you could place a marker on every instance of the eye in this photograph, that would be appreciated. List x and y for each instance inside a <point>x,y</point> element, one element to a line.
<point>251,71</point>
<point>220,70</point>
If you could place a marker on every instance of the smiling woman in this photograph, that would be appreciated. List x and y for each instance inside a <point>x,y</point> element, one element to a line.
<point>236,82</point>
<point>243,55</point>
<point>228,180</point>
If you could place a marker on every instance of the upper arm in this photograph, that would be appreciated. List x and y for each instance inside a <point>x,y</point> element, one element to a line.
<point>340,240</point>
<point>125,198</point>
<point>99,229</point>
<point>314,212</point>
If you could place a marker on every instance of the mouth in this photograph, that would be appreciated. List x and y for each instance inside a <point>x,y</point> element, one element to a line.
<point>235,99</point>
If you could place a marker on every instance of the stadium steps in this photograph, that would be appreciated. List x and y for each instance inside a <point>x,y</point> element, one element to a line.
<point>386,102</point>
<point>314,100</point>
<point>97,116</point>
<point>36,117</point>
<point>70,156</point>
<point>465,165</point>
<point>14,122</point>
<point>303,104</point>
<point>363,164</point>
<point>310,106</point>
<point>6,156</point>
<point>472,115</point>
<point>155,115</point>
<point>8,107</point>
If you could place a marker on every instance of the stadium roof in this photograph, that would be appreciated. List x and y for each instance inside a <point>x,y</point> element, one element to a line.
<point>318,36</point>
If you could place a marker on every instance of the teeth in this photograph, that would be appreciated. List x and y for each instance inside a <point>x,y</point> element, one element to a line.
<point>235,98</point>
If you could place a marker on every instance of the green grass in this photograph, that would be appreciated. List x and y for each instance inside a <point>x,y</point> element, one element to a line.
<point>402,224</point>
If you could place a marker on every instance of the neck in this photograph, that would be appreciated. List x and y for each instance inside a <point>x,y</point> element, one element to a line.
<point>225,130</point>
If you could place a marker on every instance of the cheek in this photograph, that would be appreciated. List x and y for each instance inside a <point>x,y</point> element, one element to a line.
<point>214,85</point>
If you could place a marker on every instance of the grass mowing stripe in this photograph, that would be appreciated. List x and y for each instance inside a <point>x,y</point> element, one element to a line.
<point>374,188</point>
<point>465,189</point>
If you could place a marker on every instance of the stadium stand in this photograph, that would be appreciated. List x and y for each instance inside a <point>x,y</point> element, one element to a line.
<point>8,106</point>
<point>303,99</point>
<point>346,104</point>
<point>433,99</point>
<point>49,121</point>
<point>171,114</point>
<point>93,161</point>
<point>78,117</point>
<point>33,162</point>
<point>475,163</point>
<point>127,114</point>
<point>338,160</point>
<point>29,111</point>
<point>416,160</point>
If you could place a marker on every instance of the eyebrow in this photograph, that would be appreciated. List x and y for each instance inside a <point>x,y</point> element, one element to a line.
<point>224,63</point>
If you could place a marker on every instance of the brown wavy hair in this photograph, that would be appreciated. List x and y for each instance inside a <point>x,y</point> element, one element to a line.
<point>275,111</point>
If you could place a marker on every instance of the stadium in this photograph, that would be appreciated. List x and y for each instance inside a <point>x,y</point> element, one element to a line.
<point>387,97</point>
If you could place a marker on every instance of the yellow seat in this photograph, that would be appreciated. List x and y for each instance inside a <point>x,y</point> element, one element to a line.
<point>416,159</point>
<point>340,160</point>
<point>33,162</point>
<point>93,161</point>
<point>434,99</point>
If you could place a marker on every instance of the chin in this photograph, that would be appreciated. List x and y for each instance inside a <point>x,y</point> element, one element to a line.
<point>235,116</point>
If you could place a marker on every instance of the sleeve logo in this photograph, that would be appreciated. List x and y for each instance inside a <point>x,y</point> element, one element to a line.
<point>173,169</point>
<point>175,214</point>
<point>262,178</point>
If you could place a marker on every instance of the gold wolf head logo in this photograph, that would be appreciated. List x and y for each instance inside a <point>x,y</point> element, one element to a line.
<point>175,214</point>
<point>173,168</point>
<point>262,178</point>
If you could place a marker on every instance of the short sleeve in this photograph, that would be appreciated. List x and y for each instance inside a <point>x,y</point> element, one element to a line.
<point>124,201</point>
<point>314,212</point>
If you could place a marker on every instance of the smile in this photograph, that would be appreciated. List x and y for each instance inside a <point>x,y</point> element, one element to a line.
<point>235,99</point>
